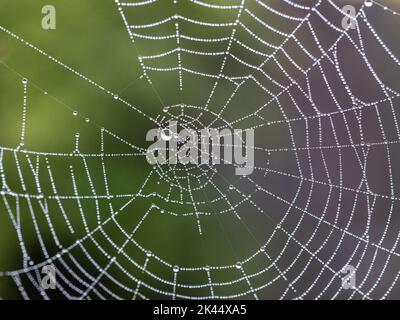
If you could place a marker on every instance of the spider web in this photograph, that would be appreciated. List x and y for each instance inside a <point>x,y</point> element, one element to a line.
<point>323,102</point>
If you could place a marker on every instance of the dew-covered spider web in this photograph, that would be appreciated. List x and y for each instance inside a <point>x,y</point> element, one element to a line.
<point>319,86</point>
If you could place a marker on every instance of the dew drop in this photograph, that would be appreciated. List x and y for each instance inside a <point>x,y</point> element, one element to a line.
<point>166,134</point>
<point>369,3</point>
